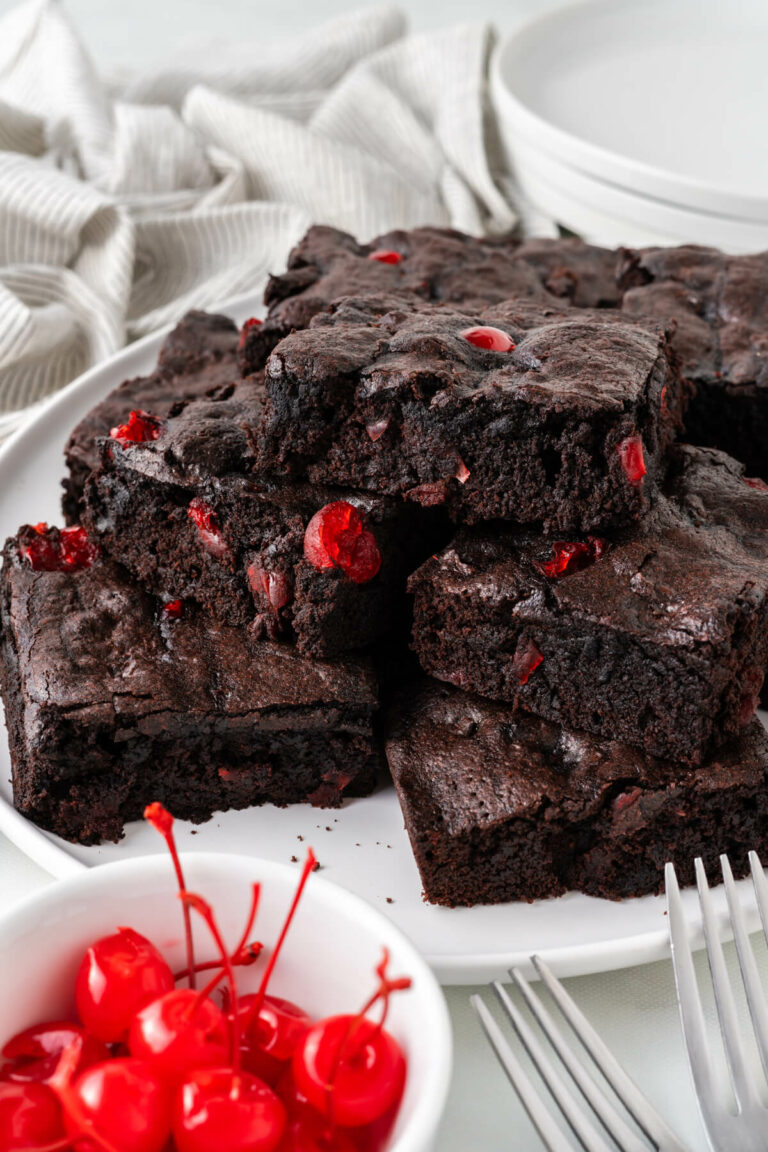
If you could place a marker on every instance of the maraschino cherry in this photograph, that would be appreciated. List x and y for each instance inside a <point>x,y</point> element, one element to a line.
<point>119,975</point>
<point>488,338</point>
<point>140,428</point>
<point>336,537</point>
<point>30,1119</point>
<point>349,1068</point>
<point>121,1105</point>
<point>632,459</point>
<point>34,1054</point>
<point>385,256</point>
<point>53,550</point>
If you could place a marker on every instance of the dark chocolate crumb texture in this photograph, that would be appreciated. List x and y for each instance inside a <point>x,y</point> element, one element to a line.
<point>658,637</point>
<point>199,354</point>
<point>436,264</point>
<point>514,411</point>
<point>184,512</point>
<point>114,699</point>
<point>719,305</point>
<point>502,806</point>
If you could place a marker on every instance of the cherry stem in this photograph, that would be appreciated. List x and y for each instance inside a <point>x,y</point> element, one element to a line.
<point>242,958</point>
<point>237,958</point>
<point>204,910</point>
<point>384,991</point>
<point>255,1008</point>
<point>162,821</point>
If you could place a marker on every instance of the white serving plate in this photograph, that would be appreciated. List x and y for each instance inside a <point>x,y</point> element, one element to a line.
<point>363,846</point>
<point>606,214</point>
<point>666,98</point>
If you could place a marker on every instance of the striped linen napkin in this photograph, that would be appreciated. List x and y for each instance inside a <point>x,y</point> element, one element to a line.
<point>120,209</point>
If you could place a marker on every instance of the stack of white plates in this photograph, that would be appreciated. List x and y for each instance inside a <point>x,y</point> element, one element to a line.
<point>642,121</point>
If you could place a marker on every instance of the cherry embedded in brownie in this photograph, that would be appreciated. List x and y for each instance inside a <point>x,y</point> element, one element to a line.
<point>198,355</point>
<point>187,516</point>
<point>438,264</point>
<point>112,701</point>
<point>657,636</point>
<point>562,418</point>
<point>502,806</point>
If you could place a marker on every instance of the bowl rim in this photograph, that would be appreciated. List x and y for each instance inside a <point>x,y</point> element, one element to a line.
<point>430,1103</point>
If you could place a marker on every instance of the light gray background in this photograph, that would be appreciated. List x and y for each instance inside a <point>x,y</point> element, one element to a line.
<point>634,1010</point>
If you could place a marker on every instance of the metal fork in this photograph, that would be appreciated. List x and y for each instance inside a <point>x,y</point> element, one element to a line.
<point>582,1120</point>
<point>744,1129</point>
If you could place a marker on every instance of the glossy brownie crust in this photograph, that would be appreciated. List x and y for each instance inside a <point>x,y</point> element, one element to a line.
<point>720,306</point>
<point>500,806</point>
<point>138,509</point>
<point>662,642</point>
<point>388,396</point>
<point>110,705</point>
<point>199,354</point>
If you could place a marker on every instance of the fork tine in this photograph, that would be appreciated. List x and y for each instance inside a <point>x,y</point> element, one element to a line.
<point>743,1082</point>
<point>755,995</point>
<point>539,1114</point>
<point>623,1085</point>
<point>582,1126</point>
<point>689,1000</point>
<point>760,884</point>
<point>613,1123</point>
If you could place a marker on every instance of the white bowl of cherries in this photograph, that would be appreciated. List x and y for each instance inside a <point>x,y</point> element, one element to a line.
<point>309,1024</point>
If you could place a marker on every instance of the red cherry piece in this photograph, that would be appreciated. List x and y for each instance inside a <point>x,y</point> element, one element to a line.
<point>571,556</point>
<point>179,1032</point>
<point>462,472</point>
<point>632,459</point>
<point>274,589</point>
<point>246,329</point>
<point>69,550</point>
<point>491,339</point>
<point>278,1027</point>
<point>204,517</point>
<point>35,1052</point>
<point>526,660</point>
<point>174,609</point>
<point>361,1060</point>
<point>124,1102</point>
<point>119,975</point>
<point>30,1118</point>
<point>626,799</point>
<point>140,428</point>
<point>386,256</point>
<point>218,1108</point>
<point>377,428</point>
<point>757,483</point>
<point>337,538</point>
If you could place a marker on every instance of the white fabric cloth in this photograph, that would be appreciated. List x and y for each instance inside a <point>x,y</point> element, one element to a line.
<point>119,209</point>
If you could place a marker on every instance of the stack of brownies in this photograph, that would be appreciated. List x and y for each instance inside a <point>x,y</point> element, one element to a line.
<point>469,447</point>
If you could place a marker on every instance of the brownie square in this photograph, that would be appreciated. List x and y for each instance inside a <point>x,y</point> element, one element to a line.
<point>113,701</point>
<point>501,806</point>
<point>189,519</point>
<point>658,637</point>
<point>199,354</point>
<point>438,264</point>
<point>720,306</point>
<point>568,425</point>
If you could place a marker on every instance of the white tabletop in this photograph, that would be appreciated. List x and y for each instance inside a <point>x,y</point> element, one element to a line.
<point>634,1010</point>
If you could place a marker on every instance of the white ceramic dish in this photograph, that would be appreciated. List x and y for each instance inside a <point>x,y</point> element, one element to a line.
<point>363,846</point>
<point>606,214</point>
<point>327,964</point>
<point>665,98</point>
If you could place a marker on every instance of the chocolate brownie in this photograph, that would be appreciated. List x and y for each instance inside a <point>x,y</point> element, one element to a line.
<point>658,637</point>
<point>502,806</point>
<point>565,419</point>
<point>720,306</point>
<point>185,514</point>
<point>437,264</point>
<point>199,354</point>
<point>113,700</point>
